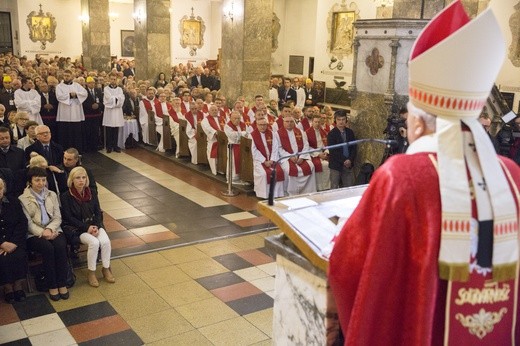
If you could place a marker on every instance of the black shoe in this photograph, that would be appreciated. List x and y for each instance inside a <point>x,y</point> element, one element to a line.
<point>117,149</point>
<point>55,297</point>
<point>9,298</point>
<point>19,295</point>
<point>65,296</point>
<point>109,150</point>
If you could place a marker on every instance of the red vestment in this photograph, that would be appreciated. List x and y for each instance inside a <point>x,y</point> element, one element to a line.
<point>383,269</point>
<point>217,127</point>
<point>313,143</point>
<point>236,147</point>
<point>257,138</point>
<point>286,145</point>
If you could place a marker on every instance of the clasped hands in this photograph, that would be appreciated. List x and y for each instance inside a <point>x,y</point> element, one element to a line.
<point>296,160</point>
<point>49,234</point>
<point>7,248</point>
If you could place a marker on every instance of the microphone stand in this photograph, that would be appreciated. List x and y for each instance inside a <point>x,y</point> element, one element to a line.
<point>272,181</point>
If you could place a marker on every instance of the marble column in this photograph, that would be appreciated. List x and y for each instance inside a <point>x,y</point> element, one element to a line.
<point>413,9</point>
<point>95,34</point>
<point>246,47</point>
<point>152,38</point>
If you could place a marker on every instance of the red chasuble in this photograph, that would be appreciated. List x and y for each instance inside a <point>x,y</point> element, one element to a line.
<point>313,143</point>
<point>306,124</point>
<point>169,107</point>
<point>236,147</point>
<point>257,139</point>
<point>286,145</point>
<point>216,126</point>
<point>383,269</point>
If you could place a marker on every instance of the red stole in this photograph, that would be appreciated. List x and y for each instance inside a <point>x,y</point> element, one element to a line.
<point>191,119</point>
<point>257,139</point>
<point>236,147</point>
<point>216,126</point>
<point>169,107</point>
<point>313,143</point>
<point>279,121</point>
<point>306,125</point>
<point>200,117</point>
<point>148,104</point>
<point>286,145</point>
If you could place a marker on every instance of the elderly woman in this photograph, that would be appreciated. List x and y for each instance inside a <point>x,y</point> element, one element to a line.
<point>13,258</point>
<point>45,236</point>
<point>81,210</point>
<point>56,178</point>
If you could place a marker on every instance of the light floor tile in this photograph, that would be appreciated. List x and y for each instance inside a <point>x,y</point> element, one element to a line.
<point>203,267</point>
<point>119,268</point>
<point>267,342</point>
<point>113,205</point>
<point>57,337</point>
<point>138,305</point>
<point>248,242</point>
<point>236,331</point>
<point>81,294</point>
<point>160,325</point>
<point>250,274</point>
<point>124,213</point>
<point>183,254</point>
<point>217,248</point>
<point>269,268</point>
<point>164,276</point>
<point>107,198</point>
<point>145,262</point>
<point>124,286</point>
<point>206,312</point>
<point>183,293</point>
<point>264,284</point>
<point>262,320</point>
<point>149,230</point>
<point>193,337</point>
<point>11,332</point>
<point>238,216</point>
<point>42,324</point>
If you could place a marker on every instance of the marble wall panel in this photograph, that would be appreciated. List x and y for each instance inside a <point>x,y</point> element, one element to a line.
<point>412,8</point>
<point>158,54</point>
<point>96,35</point>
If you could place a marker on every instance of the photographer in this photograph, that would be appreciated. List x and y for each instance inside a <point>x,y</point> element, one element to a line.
<point>396,130</point>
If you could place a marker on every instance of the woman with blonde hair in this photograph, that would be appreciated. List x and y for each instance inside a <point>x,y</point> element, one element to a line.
<point>81,210</point>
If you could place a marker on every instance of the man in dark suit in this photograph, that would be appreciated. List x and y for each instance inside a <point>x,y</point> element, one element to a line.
<point>12,161</point>
<point>7,95</point>
<point>341,160</point>
<point>44,146</point>
<point>49,105</point>
<point>311,94</point>
<point>196,80</point>
<point>286,93</point>
<point>93,110</point>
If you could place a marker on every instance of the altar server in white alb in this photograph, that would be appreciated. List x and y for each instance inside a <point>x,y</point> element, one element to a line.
<point>29,100</point>
<point>70,116</point>
<point>113,119</point>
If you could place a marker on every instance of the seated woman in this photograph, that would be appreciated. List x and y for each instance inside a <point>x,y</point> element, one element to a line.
<point>13,258</point>
<point>161,81</point>
<point>45,236</point>
<point>81,210</point>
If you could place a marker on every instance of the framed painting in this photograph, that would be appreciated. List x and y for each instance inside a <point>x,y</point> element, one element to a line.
<point>42,27</point>
<point>127,43</point>
<point>192,32</point>
<point>342,32</point>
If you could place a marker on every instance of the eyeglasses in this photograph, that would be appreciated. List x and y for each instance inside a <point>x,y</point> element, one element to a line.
<point>44,133</point>
<point>23,118</point>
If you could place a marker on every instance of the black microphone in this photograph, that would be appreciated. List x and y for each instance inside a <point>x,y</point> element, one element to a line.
<point>272,181</point>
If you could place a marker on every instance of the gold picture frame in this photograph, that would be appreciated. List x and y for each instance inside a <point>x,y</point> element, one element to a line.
<point>42,27</point>
<point>341,30</point>
<point>192,32</point>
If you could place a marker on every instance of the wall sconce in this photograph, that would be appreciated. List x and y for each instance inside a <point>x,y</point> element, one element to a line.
<point>139,16</point>
<point>113,15</point>
<point>229,12</point>
<point>84,19</point>
<point>335,64</point>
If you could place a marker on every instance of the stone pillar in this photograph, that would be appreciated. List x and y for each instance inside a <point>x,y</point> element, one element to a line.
<point>95,34</point>
<point>413,9</point>
<point>246,47</point>
<point>152,38</point>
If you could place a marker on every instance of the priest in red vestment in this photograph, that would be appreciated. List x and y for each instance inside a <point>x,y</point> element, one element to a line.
<point>430,255</point>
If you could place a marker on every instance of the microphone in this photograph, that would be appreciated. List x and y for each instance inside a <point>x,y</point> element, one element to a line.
<point>272,180</point>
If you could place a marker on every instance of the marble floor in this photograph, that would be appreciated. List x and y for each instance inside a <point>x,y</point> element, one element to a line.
<point>191,266</point>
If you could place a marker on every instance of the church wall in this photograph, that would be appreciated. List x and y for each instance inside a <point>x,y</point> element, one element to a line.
<point>10,6</point>
<point>125,21</point>
<point>68,29</point>
<point>279,56</point>
<point>181,8</point>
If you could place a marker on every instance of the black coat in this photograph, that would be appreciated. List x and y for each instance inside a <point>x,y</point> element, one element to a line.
<point>285,96</point>
<point>49,114</point>
<point>56,153</point>
<point>7,99</point>
<point>336,157</point>
<point>13,223</point>
<point>87,104</point>
<point>80,215</point>
<point>13,159</point>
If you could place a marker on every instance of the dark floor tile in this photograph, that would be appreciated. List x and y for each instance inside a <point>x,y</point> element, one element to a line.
<point>142,202</point>
<point>158,191</point>
<point>211,222</point>
<point>251,304</point>
<point>143,186</point>
<point>195,235</point>
<point>86,313</point>
<point>268,252</point>
<point>120,235</point>
<point>219,280</point>
<point>154,209</point>
<point>120,188</point>
<point>163,217</point>
<point>33,306</point>
<point>232,261</point>
<point>137,221</point>
<point>222,210</point>
<point>132,194</point>
<point>127,338</point>
<point>21,342</point>
<point>172,226</point>
<point>227,230</point>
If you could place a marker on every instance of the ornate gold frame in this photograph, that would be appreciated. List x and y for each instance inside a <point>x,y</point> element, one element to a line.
<point>42,27</point>
<point>340,25</point>
<point>192,32</point>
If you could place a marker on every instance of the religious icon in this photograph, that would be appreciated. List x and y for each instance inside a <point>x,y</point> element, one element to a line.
<point>127,43</point>
<point>42,27</point>
<point>340,25</point>
<point>192,32</point>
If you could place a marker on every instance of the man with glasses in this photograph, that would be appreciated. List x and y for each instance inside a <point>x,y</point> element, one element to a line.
<point>44,146</point>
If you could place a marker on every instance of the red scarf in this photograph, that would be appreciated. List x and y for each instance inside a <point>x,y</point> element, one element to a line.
<point>286,145</point>
<point>236,147</point>
<point>87,194</point>
<point>257,139</point>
